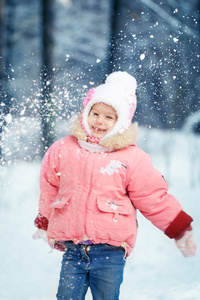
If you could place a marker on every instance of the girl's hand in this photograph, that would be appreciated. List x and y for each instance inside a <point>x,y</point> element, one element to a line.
<point>186,244</point>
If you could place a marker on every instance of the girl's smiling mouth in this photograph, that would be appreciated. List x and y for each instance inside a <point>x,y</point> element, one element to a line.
<point>98,129</point>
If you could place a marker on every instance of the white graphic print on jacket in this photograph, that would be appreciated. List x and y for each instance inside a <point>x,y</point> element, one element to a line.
<point>112,167</point>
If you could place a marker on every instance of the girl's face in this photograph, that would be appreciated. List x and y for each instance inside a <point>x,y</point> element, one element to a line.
<point>101,119</point>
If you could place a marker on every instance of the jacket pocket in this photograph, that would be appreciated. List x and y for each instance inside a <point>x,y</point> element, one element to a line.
<point>114,214</point>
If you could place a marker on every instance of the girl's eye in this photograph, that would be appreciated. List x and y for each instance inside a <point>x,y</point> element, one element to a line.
<point>94,114</point>
<point>108,117</point>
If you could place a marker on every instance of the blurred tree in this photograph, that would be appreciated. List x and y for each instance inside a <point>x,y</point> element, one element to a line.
<point>2,4</point>
<point>2,31</point>
<point>7,40</point>
<point>47,107</point>
<point>114,35</point>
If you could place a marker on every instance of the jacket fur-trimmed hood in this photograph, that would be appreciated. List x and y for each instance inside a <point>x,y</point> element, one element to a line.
<point>116,142</point>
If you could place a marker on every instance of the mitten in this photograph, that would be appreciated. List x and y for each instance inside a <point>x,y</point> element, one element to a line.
<point>42,224</point>
<point>186,244</point>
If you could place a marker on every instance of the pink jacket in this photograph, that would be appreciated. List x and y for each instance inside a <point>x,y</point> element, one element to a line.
<point>98,194</point>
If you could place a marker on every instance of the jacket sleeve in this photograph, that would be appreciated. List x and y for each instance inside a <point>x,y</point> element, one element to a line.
<point>49,180</point>
<point>148,192</point>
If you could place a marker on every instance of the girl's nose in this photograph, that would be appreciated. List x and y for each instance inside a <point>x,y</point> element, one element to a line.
<point>99,120</point>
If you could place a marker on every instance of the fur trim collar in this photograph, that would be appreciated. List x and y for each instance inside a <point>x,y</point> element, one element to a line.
<point>116,142</point>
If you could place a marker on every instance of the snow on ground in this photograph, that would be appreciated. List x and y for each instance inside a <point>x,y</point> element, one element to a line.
<point>156,270</point>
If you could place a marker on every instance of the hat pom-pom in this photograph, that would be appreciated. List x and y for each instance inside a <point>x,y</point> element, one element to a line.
<point>124,79</point>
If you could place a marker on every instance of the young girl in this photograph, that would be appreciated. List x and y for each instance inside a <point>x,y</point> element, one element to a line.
<point>92,183</point>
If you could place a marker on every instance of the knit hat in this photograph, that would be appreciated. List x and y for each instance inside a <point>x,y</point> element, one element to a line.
<point>118,91</point>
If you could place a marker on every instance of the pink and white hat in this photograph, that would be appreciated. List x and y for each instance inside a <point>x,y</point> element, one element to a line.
<point>118,91</point>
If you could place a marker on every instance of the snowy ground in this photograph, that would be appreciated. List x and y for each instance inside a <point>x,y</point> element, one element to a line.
<point>156,271</point>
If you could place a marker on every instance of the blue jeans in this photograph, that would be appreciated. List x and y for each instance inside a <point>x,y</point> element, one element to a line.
<point>99,267</point>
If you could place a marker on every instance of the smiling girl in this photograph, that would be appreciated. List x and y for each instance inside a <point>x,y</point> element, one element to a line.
<point>92,184</point>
